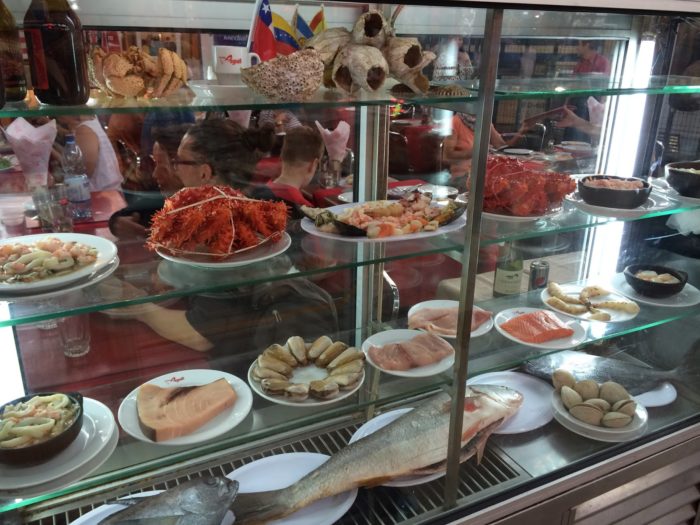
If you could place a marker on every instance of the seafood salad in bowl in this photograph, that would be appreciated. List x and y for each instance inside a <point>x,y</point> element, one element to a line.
<point>415,213</point>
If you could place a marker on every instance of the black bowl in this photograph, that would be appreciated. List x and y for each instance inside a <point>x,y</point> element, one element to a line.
<point>684,182</point>
<point>609,198</point>
<point>652,289</point>
<point>52,446</point>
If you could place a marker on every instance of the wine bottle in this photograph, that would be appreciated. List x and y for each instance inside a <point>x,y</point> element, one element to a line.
<point>509,271</point>
<point>11,57</point>
<point>57,55</point>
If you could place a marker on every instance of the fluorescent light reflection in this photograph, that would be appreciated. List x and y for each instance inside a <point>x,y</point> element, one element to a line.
<point>11,386</point>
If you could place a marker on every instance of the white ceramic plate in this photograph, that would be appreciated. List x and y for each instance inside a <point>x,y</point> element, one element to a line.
<point>382,420</point>
<point>515,218</point>
<point>257,254</point>
<point>576,339</point>
<point>95,278</point>
<point>662,395</point>
<point>212,89</point>
<point>223,422</point>
<point>346,197</point>
<point>634,430</point>
<point>94,436</point>
<point>616,316</point>
<point>653,204</point>
<point>688,296</point>
<point>517,151</point>
<point>106,252</point>
<point>95,516</point>
<point>575,147</point>
<point>309,227</point>
<point>661,184</point>
<point>395,336</point>
<point>536,410</point>
<point>304,374</point>
<point>484,328</point>
<point>280,471</point>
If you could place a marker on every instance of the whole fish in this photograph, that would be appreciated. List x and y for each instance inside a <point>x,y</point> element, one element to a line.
<point>635,378</point>
<point>415,443</point>
<point>200,501</point>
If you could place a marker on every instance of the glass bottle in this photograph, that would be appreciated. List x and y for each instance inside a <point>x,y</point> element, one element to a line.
<point>507,278</point>
<point>57,54</point>
<point>76,180</point>
<point>11,57</point>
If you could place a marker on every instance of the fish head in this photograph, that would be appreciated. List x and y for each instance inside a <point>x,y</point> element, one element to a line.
<point>224,487</point>
<point>508,398</point>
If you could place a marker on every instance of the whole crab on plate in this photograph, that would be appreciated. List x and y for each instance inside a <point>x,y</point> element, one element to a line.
<point>415,214</point>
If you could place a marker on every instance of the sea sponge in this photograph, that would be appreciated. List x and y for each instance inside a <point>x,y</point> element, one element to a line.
<point>292,77</point>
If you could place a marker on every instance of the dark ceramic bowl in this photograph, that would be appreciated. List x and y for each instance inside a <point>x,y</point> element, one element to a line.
<point>684,182</point>
<point>652,289</point>
<point>609,198</point>
<point>52,446</point>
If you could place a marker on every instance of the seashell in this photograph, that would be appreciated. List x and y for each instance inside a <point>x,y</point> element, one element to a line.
<point>613,392</point>
<point>274,386</point>
<point>348,355</point>
<point>406,60</point>
<point>615,420</point>
<point>349,368</point>
<point>347,381</point>
<point>359,67</point>
<point>450,90</point>
<point>260,373</point>
<point>328,42</point>
<point>561,377</point>
<point>587,389</point>
<point>570,397</point>
<point>324,389</point>
<point>626,406</point>
<point>281,353</point>
<point>297,347</point>
<point>267,361</point>
<point>297,391</point>
<point>318,346</point>
<point>600,403</point>
<point>587,413</point>
<point>330,353</point>
<point>292,77</point>
<point>371,29</point>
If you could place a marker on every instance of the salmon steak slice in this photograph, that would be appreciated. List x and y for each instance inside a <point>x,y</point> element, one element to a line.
<point>537,327</point>
<point>167,413</point>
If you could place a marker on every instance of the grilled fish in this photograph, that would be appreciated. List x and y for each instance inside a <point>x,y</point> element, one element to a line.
<point>635,378</point>
<point>415,443</point>
<point>201,501</point>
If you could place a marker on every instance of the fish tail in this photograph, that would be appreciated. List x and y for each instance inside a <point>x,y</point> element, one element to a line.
<point>689,370</point>
<point>259,507</point>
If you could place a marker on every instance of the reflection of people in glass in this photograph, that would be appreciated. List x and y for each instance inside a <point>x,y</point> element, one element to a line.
<point>590,59</point>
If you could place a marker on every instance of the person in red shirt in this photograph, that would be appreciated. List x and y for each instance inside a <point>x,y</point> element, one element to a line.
<point>590,60</point>
<point>301,155</point>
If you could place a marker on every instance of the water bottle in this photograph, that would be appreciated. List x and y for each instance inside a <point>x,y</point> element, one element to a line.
<point>76,180</point>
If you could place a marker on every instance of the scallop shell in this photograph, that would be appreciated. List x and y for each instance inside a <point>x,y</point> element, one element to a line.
<point>328,42</point>
<point>570,397</point>
<point>359,67</point>
<point>561,377</point>
<point>318,347</point>
<point>324,389</point>
<point>406,60</point>
<point>297,347</point>
<point>626,406</point>
<point>600,403</point>
<point>293,77</point>
<point>371,29</point>
<point>587,389</point>
<point>297,391</point>
<point>283,354</point>
<point>613,392</point>
<point>274,386</point>
<point>587,413</point>
<point>616,420</point>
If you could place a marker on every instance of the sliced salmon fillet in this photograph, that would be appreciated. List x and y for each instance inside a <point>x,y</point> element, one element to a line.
<point>443,321</point>
<point>167,413</point>
<point>537,327</point>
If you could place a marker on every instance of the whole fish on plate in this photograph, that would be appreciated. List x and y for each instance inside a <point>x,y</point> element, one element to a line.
<point>416,443</point>
<point>200,501</point>
<point>635,378</point>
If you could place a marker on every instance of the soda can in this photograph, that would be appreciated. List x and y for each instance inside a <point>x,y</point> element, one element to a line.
<point>539,274</point>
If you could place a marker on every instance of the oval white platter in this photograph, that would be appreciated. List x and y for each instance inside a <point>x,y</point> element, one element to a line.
<point>482,329</point>
<point>578,337</point>
<point>616,316</point>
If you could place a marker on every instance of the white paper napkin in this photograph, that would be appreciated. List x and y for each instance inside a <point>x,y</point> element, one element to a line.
<point>33,149</point>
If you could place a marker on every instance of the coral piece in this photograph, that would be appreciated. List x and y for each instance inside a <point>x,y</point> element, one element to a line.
<point>371,29</point>
<point>406,60</point>
<point>292,77</point>
<point>359,67</point>
<point>328,42</point>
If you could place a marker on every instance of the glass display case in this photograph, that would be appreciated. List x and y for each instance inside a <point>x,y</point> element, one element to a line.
<point>512,251</point>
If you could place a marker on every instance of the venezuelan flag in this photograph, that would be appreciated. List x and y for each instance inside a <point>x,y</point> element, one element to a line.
<point>318,22</point>
<point>284,35</point>
<point>302,30</point>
